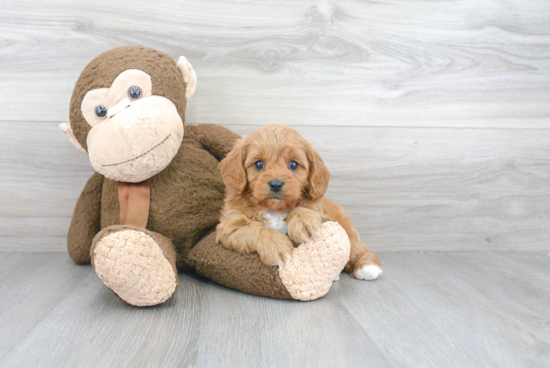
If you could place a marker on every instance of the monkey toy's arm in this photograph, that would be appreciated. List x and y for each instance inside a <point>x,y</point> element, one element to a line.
<point>85,223</point>
<point>214,138</point>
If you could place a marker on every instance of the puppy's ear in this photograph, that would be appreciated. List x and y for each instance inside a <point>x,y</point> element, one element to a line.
<point>232,168</point>
<point>319,176</point>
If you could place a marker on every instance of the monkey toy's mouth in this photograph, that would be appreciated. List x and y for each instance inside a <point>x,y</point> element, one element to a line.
<point>138,142</point>
<point>143,154</point>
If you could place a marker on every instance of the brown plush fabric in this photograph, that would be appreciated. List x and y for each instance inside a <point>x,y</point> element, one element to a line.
<point>214,138</point>
<point>85,222</point>
<point>186,197</point>
<point>231,269</point>
<point>102,71</point>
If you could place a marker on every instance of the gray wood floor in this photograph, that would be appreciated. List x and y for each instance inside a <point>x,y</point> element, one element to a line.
<point>429,309</point>
<point>432,116</point>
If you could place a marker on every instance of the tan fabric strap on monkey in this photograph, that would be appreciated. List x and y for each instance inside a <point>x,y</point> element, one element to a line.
<point>135,200</point>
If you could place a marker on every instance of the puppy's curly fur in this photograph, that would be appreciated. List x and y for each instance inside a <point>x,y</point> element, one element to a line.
<point>275,174</point>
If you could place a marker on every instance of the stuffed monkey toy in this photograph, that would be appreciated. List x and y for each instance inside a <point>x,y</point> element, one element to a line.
<point>152,205</point>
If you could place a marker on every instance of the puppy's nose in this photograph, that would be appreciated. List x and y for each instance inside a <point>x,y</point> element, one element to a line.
<point>276,185</point>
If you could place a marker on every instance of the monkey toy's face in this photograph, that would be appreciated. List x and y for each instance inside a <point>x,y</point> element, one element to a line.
<point>132,128</point>
<point>134,134</point>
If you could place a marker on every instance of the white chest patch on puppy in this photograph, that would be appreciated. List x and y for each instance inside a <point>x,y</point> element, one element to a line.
<point>275,221</point>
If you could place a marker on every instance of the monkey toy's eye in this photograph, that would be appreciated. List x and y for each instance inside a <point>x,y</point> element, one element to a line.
<point>293,165</point>
<point>134,93</point>
<point>101,111</point>
<point>259,165</point>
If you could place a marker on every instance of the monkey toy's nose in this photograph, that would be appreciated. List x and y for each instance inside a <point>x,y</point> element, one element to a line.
<point>276,185</point>
<point>118,108</point>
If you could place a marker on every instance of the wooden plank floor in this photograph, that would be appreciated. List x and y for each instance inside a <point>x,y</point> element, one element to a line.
<point>440,309</point>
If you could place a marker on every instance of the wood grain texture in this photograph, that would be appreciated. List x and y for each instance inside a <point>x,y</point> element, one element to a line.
<point>406,189</point>
<point>464,63</point>
<point>432,116</point>
<point>447,309</point>
<point>34,284</point>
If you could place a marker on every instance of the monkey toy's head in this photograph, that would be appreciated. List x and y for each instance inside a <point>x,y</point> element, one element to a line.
<point>128,109</point>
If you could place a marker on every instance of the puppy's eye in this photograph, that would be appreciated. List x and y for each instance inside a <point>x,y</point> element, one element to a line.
<point>101,111</point>
<point>259,165</point>
<point>293,165</point>
<point>134,93</point>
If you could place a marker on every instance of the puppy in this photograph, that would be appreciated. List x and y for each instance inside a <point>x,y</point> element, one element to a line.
<point>275,184</point>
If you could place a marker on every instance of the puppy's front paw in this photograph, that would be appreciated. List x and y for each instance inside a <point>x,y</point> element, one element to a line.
<point>276,250</point>
<point>368,272</point>
<point>303,223</point>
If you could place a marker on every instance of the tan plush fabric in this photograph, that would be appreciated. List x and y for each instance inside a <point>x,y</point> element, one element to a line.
<point>135,200</point>
<point>316,263</point>
<point>110,97</point>
<point>68,132</point>
<point>189,76</point>
<point>138,266</point>
<point>138,142</point>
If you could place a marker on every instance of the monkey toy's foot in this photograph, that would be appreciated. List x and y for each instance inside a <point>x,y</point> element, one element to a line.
<point>136,264</point>
<point>316,263</point>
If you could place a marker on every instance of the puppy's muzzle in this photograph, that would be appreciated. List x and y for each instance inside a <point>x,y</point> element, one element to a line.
<point>276,185</point>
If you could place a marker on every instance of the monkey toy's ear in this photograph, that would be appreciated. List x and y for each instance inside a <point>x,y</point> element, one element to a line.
<point>189,76</point>
<point>68,132</point>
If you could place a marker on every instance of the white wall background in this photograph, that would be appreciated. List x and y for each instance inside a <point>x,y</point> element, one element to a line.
<point>433,116</point>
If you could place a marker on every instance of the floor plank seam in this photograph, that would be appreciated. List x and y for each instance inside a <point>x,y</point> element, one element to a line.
<point>24,334</point>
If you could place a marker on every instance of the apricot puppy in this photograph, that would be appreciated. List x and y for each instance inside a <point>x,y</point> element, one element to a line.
<point>275,185</point>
